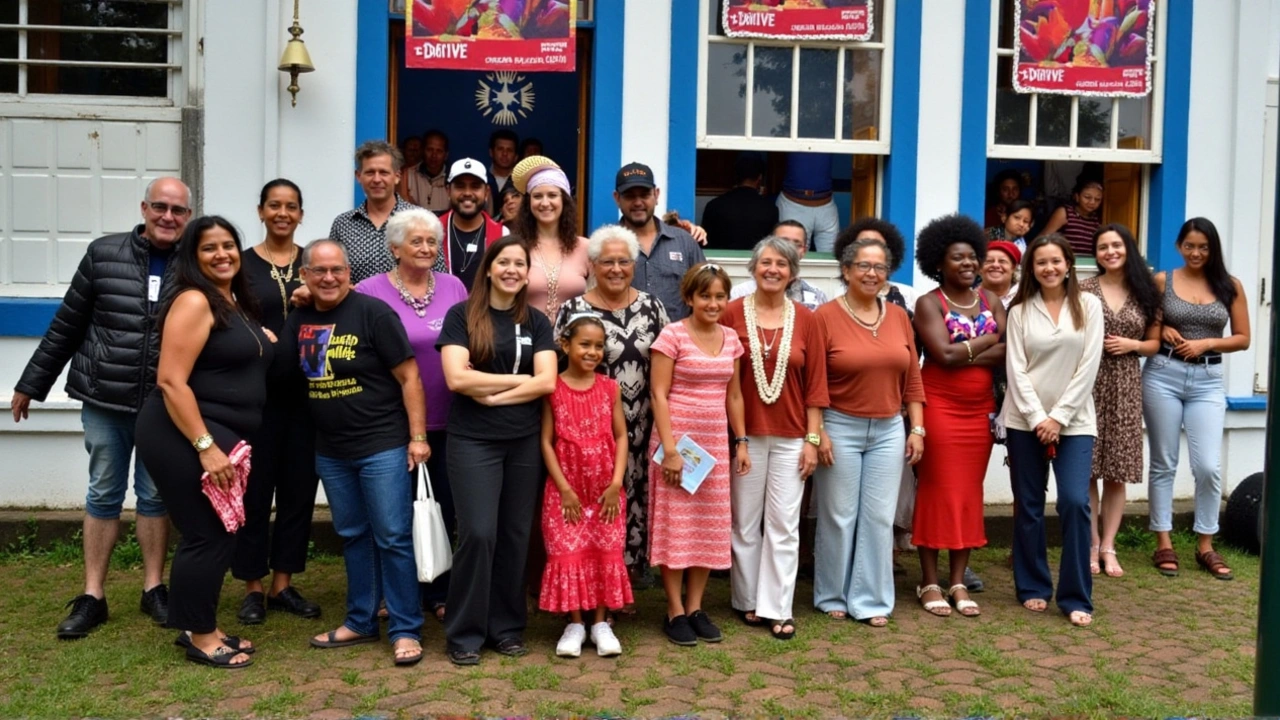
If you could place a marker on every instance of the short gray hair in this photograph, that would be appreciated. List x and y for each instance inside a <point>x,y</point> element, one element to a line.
<point>852,250</point>
<point>611,233</point>
<point>146,194</point>
<point>374,148</point>
<point>311,246</point>
<point>780,246</point>
<point>400,225</point>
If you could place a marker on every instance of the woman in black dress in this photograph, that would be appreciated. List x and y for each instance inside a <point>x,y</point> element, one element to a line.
<point>284,454</point>
<point>210,389</point>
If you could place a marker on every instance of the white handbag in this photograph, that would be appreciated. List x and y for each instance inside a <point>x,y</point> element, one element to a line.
<point>432,550</point>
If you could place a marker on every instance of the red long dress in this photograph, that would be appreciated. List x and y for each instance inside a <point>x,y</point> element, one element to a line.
<point>585,568</point>
<point>949,477</point>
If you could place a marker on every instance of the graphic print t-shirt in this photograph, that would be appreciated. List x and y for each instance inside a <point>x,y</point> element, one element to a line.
<point>469,418</point>
<point>346,355</point>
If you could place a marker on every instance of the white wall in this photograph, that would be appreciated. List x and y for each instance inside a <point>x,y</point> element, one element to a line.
<point>253,135</point>
<point>646,83</point>
<point>938,154</point>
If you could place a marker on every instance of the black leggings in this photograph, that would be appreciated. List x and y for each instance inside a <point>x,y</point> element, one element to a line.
<point>284,466</point>
<point>204,552</point>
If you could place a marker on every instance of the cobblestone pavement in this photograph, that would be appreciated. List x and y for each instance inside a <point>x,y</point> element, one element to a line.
<point>1159,647</point>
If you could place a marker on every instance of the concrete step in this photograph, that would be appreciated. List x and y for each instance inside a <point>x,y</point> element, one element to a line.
<point>48,526</point>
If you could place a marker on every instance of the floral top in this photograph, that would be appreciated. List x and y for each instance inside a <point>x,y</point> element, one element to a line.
<point>961,327</point>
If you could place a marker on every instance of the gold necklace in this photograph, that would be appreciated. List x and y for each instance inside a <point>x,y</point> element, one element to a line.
<point>245,320</point>
<point>873,328</point>
<point>955,304</point>
<point>553,280</point>
<point>281,279</point>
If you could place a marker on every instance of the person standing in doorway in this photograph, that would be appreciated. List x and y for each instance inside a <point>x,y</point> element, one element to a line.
<point>106,329</point>
<point>806,198</point>
<point>740,218</point>
<point>666,251</point>
<point>468,228</point>
<point>424,183</point>
<point>362,231</point>
<point>503,154</point>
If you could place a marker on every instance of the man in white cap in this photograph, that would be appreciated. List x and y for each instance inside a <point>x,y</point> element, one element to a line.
<point>468,229</point>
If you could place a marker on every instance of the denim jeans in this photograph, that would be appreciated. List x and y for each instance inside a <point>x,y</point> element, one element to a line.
<point>1177,395</point>
<point>368,501</point>
<point>856,499</point>
<point>821,223</point>
<point>109,438</point>
<point>1029,468</point>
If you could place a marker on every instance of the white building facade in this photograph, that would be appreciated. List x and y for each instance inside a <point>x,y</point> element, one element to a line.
<point>922,112</point>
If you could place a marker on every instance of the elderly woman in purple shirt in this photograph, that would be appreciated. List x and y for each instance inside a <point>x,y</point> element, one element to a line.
<point>421,298</point>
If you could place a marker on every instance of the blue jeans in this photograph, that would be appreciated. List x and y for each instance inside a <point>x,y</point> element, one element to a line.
<point>856,499</point>
<point>1176,396</point>
<point>1030,471</point>
<point>109,438</point>
<point>372,515</point>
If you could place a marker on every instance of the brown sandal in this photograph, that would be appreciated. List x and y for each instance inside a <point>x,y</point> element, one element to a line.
<point>1213,564</point>
<point>1166,556</point>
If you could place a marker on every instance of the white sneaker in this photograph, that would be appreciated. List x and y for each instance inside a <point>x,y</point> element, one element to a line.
<point>570,644</point>
<point>606,642</point>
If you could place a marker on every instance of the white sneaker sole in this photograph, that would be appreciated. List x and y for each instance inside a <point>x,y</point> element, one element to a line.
<point>568,653</point>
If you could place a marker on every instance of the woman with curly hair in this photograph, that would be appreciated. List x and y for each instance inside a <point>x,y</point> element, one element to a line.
<point>1130,305</point>
<point>548,223</point>
<point>882,231</point>
<point>960,327</point>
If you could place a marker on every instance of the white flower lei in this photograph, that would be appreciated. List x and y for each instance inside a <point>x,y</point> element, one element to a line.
<point>769,390</point>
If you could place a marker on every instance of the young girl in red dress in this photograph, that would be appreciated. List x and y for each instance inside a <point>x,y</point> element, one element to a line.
<point>584,443</point>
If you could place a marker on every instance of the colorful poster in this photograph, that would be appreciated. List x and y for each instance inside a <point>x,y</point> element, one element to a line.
<point>799,19</point>
<point>511,35</point>
<point>1084,47</point>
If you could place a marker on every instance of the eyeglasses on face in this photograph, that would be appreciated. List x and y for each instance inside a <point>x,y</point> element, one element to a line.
<point>163,209</point>
<point>616,262</point>
<point>866,267</point>
<point>336,271</point>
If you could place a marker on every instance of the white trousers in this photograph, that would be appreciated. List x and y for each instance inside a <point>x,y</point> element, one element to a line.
<point>766,527</point>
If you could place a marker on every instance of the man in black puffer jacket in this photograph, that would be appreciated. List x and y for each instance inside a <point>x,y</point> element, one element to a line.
<point>106,329</point>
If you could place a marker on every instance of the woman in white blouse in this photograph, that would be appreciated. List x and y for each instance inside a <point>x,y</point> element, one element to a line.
<point>1054,346</point>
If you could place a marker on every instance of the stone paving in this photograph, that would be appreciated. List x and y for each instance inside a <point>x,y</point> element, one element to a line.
<point>1159,647</point>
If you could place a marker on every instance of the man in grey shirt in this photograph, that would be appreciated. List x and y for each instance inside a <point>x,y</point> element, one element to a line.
<point>666,252</point>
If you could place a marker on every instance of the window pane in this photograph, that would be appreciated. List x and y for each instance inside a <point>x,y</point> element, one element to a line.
<point>1053,121</point>
<point>818,87</point>
<point>9,11</point>
<point>1135,124</point>
<point>1004,33</point>
<point>94,13</point>
<point>103,47</point>
<point>715,19</point>
<point>861,94</point>
<point>726,89</point>
<point>1094,126</point>
<point>8,73</point>
<point>1013,110</point>
<point>771,94</point>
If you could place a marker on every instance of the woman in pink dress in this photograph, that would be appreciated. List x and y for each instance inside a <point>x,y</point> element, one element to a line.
<point>696,393</point>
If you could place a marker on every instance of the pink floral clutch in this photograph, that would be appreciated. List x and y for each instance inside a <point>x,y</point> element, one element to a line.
<point>229,503</point>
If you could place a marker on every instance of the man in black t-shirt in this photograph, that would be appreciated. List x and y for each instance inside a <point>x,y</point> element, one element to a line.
<point>468,229</point>
<point>367,402</point>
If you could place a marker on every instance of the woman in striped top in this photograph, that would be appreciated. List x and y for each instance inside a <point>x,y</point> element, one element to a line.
<point>1078,221</point>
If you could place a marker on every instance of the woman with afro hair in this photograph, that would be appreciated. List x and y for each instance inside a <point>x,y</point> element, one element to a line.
<point>960,328</point>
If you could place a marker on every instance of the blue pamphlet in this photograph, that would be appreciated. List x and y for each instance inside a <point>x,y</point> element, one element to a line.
<point>697,463</point>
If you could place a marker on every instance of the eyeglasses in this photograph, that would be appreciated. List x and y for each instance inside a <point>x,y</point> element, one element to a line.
<point>163,209</point>
<point>623,263</point>
<point>336,271</point>
<point>866,267</point>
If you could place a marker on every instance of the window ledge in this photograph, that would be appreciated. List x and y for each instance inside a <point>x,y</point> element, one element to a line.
<point>1247,403</point>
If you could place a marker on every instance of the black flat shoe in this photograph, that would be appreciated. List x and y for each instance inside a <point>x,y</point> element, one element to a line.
<point>464,657</point>
<point>511,647</point>
<point>291,601</point>
<point>253,609</point>
<point>704,628</point>
<point>155,602</point>
<point>184,641</point>
<point>87,613</point>
<point>679,631</point>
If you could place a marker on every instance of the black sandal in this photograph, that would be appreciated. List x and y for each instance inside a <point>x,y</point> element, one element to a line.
<point>220,659</point>
<point>184,641</point>
<point>778,632</point>
<point>464,657</point>
<point>742,615</point>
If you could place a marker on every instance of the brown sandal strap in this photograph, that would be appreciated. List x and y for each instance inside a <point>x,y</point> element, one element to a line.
<point>1212,561</point>
<point>1165,556</point>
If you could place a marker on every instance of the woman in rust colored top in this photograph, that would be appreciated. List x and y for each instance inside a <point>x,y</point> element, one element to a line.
<point>783,403</point>
<point>872,371</point>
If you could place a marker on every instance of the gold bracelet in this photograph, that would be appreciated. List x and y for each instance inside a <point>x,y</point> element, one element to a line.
<point>419,438</point>
<point>968,347</point>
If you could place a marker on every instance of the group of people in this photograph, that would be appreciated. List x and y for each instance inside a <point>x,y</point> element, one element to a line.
<point>569,398</point>
<point>1010,217</point>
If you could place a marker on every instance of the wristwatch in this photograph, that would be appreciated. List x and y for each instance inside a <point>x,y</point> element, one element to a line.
<point>202,443</point>
<point>743,439</point>
<point>918,430</point>
<point>419,438</point>
<point>813,439</point>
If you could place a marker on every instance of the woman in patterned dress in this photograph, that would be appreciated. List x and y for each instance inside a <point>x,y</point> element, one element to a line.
<point>1130,303</point>
<point>696,392</point>
<point>632,320</point>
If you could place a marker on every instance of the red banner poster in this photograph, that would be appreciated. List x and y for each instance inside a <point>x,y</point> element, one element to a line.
<point>1084,47</point>
<point>799,19</point>
<point>512,35</point>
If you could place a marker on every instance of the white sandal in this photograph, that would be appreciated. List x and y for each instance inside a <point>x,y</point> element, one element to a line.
<point>964,606</point>
<point>940,608</point>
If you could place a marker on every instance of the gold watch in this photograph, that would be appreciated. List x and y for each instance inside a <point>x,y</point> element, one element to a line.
<point>813,439</point>
<point>419,438</point>
<point>202,443</point>
<point>918,430</point>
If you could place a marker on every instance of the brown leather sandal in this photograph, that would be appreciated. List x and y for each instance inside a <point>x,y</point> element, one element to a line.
<point>1166,556</point>
<point>1213,564</point>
